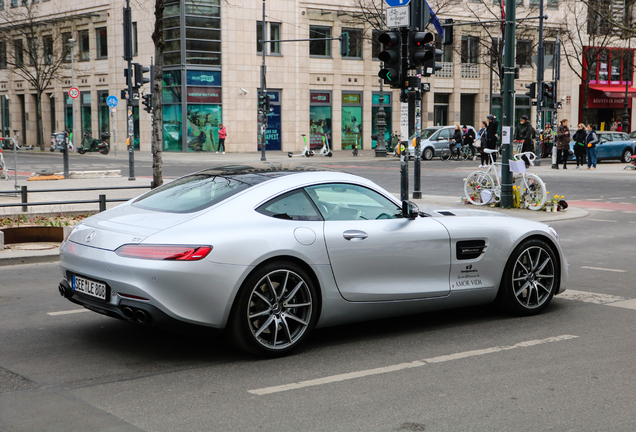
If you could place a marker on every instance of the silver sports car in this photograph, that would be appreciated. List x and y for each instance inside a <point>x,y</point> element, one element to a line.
<point>268,252</point>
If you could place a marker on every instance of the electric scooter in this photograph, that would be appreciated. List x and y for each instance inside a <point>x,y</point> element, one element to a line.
<point>94,145</point>
<point>305,151</point>
<point>325,150</point>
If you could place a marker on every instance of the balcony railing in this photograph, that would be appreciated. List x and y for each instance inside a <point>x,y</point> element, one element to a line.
<point>470,70</point>
<point>446,71</point>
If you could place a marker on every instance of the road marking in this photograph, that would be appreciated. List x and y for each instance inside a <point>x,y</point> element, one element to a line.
<point>604,269</point>
<point>627,304</point>
<point>68,312</point>
<point>402,366</point>
<point>590,297</point>
<point>620,198</point>
<point>631,212</point>
<point>602,220</point>
<point>633,222</point>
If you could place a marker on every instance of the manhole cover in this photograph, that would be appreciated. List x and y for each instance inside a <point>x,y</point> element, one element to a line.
<point>33,246</point>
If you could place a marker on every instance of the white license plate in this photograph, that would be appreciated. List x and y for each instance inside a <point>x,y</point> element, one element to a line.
<point>89,287</point>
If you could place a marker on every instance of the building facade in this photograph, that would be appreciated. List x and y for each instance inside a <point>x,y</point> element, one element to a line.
<point>212,73</point>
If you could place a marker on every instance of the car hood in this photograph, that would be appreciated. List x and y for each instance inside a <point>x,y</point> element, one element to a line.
<point>124,224</point>
<point>437,211</point>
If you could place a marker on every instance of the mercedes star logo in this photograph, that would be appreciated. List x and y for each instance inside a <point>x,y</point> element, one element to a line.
<point>91,236</point>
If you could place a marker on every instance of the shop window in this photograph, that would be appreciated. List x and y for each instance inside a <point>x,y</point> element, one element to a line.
<point>84,46</point>
<point>101,43</point>
<point>470,49</point>
<point>319,119</point>
<point>86,115</point>
<point>351,117</point>
<point>355,43</point>
<point>524,53</point>
<point>103,113</point>
<point>319,48</point>
<point>202,127</point>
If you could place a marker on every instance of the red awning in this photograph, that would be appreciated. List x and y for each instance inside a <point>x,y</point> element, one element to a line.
<point>614,91</point>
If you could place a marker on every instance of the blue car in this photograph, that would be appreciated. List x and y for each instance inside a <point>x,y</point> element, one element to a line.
<point>612,145</point>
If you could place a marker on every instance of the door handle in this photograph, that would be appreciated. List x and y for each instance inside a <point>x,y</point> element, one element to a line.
<point>355,235</point>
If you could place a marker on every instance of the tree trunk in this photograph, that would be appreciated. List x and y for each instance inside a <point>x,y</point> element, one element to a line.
<point>157,98</point>
<point>38,121</point>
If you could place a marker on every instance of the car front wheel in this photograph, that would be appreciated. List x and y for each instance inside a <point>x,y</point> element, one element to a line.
<point>275,311</point>
<point>530,278</point>
<point>428,153</point>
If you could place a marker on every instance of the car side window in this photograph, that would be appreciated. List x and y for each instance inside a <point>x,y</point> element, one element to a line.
<point>445,134</point>
<point>341,201</point>
<point>293,205</point>
<point>605,137</point>
<point>619,137</point>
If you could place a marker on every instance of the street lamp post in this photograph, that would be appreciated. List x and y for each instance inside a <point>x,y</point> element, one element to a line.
<point>627,80</point>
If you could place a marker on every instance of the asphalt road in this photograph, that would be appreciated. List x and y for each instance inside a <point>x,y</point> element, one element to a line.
<point>475,369</point>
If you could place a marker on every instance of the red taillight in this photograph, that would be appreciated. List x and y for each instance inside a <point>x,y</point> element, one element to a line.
<point>161,252</point>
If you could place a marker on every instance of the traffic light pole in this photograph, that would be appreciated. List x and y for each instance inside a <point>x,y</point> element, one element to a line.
<point>261,111</point>
<point>540,77</point>
<point>129,105</point>
<point>417,163</point>
<point>404,154</point>
<point>508,101</point>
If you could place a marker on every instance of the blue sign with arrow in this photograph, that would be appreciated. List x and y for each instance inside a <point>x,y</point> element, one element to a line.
<point>394,3</point>
<point>112,101</point>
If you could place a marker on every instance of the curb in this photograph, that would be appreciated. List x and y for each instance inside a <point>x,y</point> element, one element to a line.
<point>27,257</point>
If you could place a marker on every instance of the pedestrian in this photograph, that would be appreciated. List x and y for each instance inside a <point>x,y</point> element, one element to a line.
<point>619,127</point>
<point>547,140</point>
<point>480,142</point>
<point>563,144</point>
<point>469,140</point>
<point>525,132</point>
<point>492,135</point>
<point>579,146</point>
<point>614,126</point>
<point>591,139</point>
<point>457,139</point>
<point>222,136</point>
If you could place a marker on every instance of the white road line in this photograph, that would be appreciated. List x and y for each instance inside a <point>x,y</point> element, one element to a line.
<point>590,297</point>
<point>633,222</point>
<point>618,198</point>
<point>68,312</point>
<point>402,366</point>
<point>602,220</point>
<point>595,199</point>
<point>627,304</point>
<point>598,210</point>
<point>632,212</point>
<point>604,269</point>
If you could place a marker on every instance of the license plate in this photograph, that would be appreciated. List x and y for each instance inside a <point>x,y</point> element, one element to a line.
<point>89,287</point>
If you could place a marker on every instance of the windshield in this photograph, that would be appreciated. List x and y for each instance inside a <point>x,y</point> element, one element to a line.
<point>196,192</point>
<point>426,133</point>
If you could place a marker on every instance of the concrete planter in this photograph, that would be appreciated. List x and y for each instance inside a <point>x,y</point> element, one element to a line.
<point>33,234</point>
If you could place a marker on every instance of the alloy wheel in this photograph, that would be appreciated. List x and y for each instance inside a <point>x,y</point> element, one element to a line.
<point>533,277</point>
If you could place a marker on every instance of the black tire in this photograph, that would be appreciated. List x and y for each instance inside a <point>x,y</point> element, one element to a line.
<point>52,149</point>
<point>428,153</point>
<point>331,154</point>
<point>445,156</point>
<point>627,155</point>
<point>105,151</point>
<point>530,279</point>
<point>280,333</point>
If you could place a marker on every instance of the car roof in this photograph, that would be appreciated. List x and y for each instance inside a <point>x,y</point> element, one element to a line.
<point>267,169</point>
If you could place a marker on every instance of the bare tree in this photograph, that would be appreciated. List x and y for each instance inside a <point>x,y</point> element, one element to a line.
<point>157,97</point>
<point>33,51</point>
<point>585,37</point>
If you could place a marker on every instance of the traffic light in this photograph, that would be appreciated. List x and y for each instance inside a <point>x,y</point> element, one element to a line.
<point>532,90</point>
<point>430,65</point>
<point>392,58</point>
<point>344,44</point>
<point>147,102</point>
<point>418,54</point>
<point>548,91</point>
<point>262,100</point>
<point>138,74</point>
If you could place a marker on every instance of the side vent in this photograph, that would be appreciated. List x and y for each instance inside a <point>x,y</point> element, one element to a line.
<point>470,249</point>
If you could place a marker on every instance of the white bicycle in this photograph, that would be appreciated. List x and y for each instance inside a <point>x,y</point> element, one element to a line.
<point>484,187</point>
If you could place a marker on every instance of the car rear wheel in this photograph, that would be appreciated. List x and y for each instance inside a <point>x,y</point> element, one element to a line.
<point>530,278</point>
<point>275,310</point>
<point>428,153</point>
<point>627,156</point>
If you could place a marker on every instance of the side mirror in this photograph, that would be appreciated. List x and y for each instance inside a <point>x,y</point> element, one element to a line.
<point>410,210</point>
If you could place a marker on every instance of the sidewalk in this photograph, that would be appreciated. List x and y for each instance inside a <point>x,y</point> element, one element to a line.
<point>30,254</point>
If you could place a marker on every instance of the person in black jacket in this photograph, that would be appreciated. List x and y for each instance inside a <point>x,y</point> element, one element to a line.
<point>579,146</point>
<point>492,135</point>
<point>457,139</point>
<point>525,132</point>
<point>469,140</point>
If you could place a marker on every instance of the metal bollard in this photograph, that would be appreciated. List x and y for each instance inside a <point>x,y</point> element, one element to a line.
<point>102,203</point>
<point>23,193</point>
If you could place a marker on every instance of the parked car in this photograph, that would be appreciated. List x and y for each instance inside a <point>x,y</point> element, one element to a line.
<point>434,139</point>
<point>267,252</point>
<point>612,145</point>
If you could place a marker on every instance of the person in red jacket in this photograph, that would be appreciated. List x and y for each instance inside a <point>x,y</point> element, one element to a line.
<point>222,135</point>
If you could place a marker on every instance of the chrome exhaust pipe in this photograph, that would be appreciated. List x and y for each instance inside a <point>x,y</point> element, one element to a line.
<point>141,316</point>
<point>128,313</point>
<point>62,290</point>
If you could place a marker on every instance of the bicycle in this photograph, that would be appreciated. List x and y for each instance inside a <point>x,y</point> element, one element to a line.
<point>484,187</point>
<point>454,152</point>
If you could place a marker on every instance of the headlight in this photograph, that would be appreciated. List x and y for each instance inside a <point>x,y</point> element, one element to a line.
<point>554,233</point>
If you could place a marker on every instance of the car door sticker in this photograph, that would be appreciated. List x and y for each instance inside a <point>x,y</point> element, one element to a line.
<point>468,277</point>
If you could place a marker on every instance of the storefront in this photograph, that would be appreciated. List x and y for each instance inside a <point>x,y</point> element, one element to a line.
<point>374,115</point>
<point>319,118</point>
<point>204,111</point>
<point>351,120</point>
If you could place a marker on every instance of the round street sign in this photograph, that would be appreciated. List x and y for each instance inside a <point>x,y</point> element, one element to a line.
<point>112,101</point>
<point>395,3</point>
<point>74,92</point>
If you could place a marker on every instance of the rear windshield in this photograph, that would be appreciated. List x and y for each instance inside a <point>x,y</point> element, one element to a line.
<point>196,192</point>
